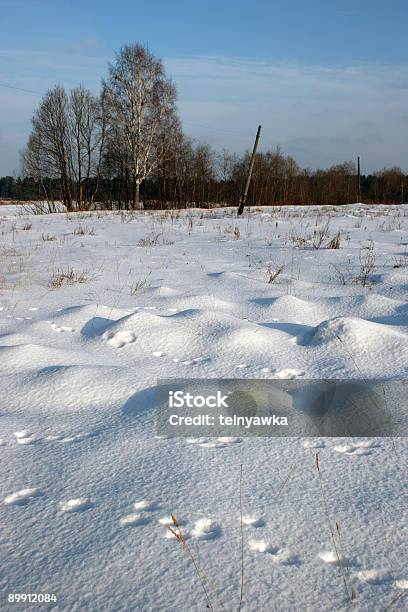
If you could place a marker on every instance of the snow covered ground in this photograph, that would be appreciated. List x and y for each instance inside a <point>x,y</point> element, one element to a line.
<point>94,308</point>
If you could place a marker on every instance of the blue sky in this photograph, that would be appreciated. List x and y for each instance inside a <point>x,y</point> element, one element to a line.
<point>328,80</point>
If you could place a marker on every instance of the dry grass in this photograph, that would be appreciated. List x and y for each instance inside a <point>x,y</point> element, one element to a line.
<point>273,273</point>
<point>138,287</point>
<point>84,231</point>
<point>154,239</point>
<point>233,230</point>
<point>334,243</point>
<point>48,237</point>
<point>68,277</point>
<point>367,264</point>
<point>206,584</point>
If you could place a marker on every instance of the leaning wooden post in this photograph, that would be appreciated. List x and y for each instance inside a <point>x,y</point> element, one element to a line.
<point>251,167</point>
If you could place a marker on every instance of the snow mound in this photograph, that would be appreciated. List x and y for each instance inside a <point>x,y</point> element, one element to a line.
<point>354,331</point>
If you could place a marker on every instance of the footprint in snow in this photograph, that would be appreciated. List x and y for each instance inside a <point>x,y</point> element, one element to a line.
<point>195,361</point>
<point>61,328</point>
<point>137,518</point>
<point>145,505</point>
<point>167,521</point>
<point>216,442</point>
<point>253,520</point>
<point>206,529</point>
<point>22,497</point>
<point>24,437</point>
<point>289,373</point>
<point>357,448</point>
<point>278,555</point>
<point>401,584</point>
<point>133,520</point>
<point>120,339</point>
<point>76,505</point>
<point>314,444</point>
<point>375,576</point>
<point>68,439</point>
<point>200,441</point>
<point>331,557</point>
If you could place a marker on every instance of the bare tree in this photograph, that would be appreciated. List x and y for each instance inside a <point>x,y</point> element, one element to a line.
<point>48,151</point>
<point>67,143</point>
<point>88,119</point>
<point>142,105</point>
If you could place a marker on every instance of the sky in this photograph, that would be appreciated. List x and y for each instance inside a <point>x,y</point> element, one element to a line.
<point>326,79</point>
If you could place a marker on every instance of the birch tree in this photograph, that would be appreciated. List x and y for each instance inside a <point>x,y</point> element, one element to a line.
<point>142,103</point>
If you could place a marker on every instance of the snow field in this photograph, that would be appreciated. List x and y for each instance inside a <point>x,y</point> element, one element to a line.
<point>87,488</point>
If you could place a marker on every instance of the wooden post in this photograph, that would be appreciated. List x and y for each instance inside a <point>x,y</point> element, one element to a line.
<point>251,167</point>
<point>358,181</point>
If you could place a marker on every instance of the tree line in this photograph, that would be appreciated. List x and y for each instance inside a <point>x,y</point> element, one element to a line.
<point>125,146</point>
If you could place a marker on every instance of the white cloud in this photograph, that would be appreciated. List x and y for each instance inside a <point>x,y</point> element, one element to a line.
<point>319,114</point>
<point>304,108</point>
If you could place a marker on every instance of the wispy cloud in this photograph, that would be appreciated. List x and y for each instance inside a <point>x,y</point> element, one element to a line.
<point>319,114</point>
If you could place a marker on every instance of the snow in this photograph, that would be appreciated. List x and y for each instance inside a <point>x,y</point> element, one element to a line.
<point>88,488</point>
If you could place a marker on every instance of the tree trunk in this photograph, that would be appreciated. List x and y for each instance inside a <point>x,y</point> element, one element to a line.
<point>136,195</point>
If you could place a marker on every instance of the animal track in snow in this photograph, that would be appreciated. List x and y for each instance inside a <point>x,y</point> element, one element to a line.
<point>374,576</point>
<point>401,584</point>
<point>24,437</point>
<point>133,520</point>
<point>61,328</point>
<point>206,529</point>
<point>331,557</point>
<point>67,439</point>
<point>263,546</point>
<point>214,442</point>
<point>145,505</point>
<point>289,373</point>
<point>279,555</point>
<point>22,497</point>
<point>76,505</point>
<point>195,360</point>
<point>357,448</point>
<point>120,339</point>
<point>253,521</point>
<point>314,444</point>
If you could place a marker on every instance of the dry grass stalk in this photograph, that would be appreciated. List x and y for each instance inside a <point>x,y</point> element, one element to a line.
<point>272,274</point>
<point>242,541</point>
<point>336,544</point>
<point>84,231</point>
<point>177,532</point>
